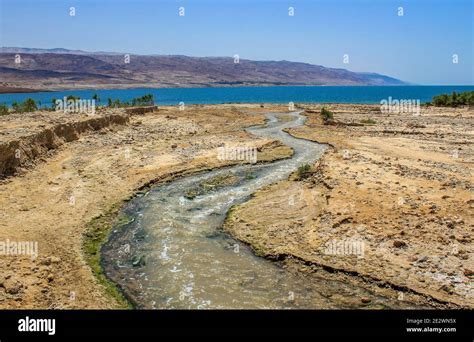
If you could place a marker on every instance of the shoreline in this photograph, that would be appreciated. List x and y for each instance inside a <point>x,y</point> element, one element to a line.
<point>16,90</point>
<point>13,90</point>
<point>19,90</point>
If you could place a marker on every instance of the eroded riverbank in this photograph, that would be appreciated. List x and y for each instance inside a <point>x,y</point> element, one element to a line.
<point>171,252</point>
<point>51,201</point>
<point>398,184</point>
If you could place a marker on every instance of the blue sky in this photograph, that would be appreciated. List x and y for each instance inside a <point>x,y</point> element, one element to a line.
<point>416,47</point>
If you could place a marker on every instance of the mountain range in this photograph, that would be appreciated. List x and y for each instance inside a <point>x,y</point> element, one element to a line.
<point>59,69</point>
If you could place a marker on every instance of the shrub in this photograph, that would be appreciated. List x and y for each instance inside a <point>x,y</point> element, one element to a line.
<point>327,115</point>
<point>454,100</point>
<point>145,100</point>
<point>29,105</point>
<point>96,98</point>
<point>3,109</point>
<point>368,121</point>
<point>304,170</point>
<point>53,103</point>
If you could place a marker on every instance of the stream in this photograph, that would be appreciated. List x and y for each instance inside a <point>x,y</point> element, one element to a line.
<point>171,253</point>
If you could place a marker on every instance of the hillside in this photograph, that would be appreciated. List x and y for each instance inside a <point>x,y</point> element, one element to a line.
<point>64,69</point>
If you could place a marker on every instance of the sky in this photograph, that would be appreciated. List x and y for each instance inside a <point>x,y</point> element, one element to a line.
<point>416,47</point>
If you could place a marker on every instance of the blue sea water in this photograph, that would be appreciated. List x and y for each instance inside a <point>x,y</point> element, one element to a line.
<point>280,94</point>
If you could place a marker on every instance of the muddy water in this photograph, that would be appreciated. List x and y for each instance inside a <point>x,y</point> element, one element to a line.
<point>170,253</point>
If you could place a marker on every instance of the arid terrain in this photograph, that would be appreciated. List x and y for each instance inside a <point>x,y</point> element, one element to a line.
<point>401,184</point>
<point>63,170</point>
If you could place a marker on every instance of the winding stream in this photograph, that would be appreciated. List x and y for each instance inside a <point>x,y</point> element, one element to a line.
<point>172,254</point>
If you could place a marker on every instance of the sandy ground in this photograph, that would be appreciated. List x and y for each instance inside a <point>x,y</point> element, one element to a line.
<point>75,177</point>
<point>391,201</point>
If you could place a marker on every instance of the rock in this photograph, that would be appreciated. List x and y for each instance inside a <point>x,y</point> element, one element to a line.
<point>365,300</point>
<point>468,273</point>
<point>447,288</point>
<point>399,243</point>
<point>139,261</point>
<point>45,261</point>
<point>12,286</point>
<point>55,259</point>
<point>50,277</point>
<point>423,258</point>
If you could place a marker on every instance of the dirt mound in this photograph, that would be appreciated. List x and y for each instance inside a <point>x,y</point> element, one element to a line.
<point>21,149</point>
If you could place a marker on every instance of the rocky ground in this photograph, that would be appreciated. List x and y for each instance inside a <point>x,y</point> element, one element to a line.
<point>391,201</point>
<point>71,169</point>
<point>397,190</point>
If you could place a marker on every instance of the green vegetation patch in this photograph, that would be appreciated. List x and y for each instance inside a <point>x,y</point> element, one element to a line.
<point>454,99</point>
<point>3,109</point>
<point>327,115</point>
<point>145,100</point>
<point>304,171</point>
<point>29,105</point>
<point>97,232</point>
<point>368,121</point>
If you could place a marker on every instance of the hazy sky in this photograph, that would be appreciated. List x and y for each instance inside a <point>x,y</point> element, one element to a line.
<point>417,47</point>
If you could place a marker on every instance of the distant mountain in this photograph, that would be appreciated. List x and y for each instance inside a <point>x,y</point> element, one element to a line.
<point>7,49</point>
<point>55,69</point>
